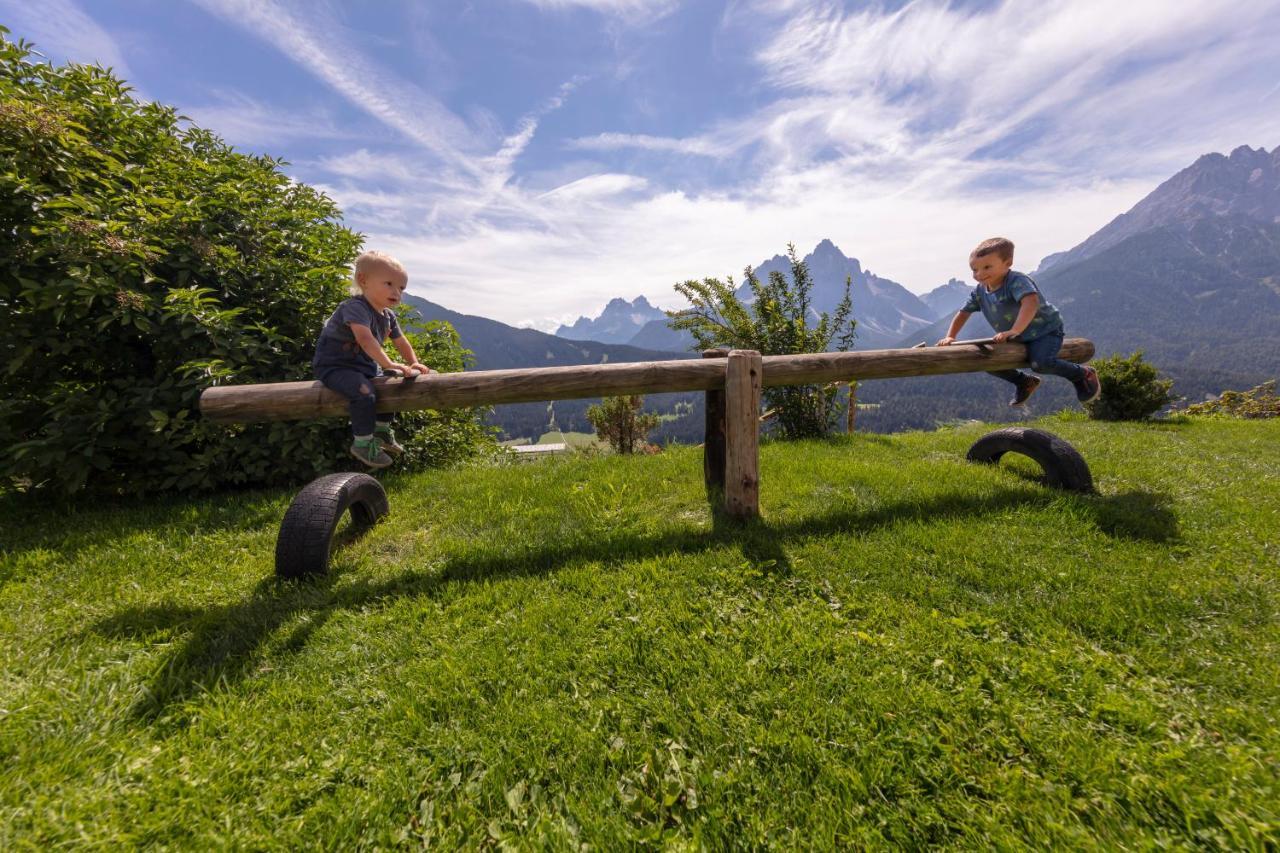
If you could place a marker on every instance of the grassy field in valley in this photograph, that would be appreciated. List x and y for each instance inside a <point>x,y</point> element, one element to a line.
<point>575,440</point>
<point>907,650</point>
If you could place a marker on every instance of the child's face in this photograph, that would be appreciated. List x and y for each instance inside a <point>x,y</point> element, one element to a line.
<point>990,270</point>
<point>382,285</point>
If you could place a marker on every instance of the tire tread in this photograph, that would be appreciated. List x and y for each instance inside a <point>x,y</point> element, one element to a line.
<point>306,532</point>
<point>1063,466</point>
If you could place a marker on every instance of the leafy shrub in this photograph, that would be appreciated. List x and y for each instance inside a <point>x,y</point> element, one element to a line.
<point>775,323</point>
<point>619,421</point>
<point>144,260</point>
<point>1132,390</point>
<point>1259,402</point>
<point>436,438</point>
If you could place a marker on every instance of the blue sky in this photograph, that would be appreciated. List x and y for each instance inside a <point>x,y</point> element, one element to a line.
<point>530,159</point>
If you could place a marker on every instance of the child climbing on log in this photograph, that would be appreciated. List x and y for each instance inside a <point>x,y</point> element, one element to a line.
<point>349,352</point>
<point>1011,303</point>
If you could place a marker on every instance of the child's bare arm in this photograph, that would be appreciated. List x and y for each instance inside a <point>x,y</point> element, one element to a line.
<point>371,347</point>
<point>957,323</point>
<point>405,349</point>
<point>1026,313</point>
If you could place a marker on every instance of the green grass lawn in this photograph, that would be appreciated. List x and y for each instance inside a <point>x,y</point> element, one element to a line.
<point>908,650</point>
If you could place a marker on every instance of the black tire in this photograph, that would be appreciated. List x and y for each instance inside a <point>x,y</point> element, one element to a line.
<point>1064,467</point>
<point>306,533</point>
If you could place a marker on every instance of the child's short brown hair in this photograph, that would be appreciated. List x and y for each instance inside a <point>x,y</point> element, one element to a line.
<point>1001,246</point>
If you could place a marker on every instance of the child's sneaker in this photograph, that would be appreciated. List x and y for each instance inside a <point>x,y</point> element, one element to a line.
<point>387,439</point>
<point>1089,388</point>
<point>369,451</point>
<point>1025,390</point>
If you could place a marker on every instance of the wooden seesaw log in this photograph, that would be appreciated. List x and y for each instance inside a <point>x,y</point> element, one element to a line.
<point>278,401</point>
<point>732,381</point>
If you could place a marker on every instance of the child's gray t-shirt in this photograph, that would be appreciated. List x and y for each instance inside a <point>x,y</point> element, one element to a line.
<point>337,348</point>
<point>1000,307</point>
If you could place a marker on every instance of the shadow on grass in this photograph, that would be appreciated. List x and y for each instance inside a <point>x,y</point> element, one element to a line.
<point>1141,515</point>
<point>224,641</point>
<point>70,526</point>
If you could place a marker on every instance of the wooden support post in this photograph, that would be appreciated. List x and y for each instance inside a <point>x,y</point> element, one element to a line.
<point>713,440</point>
<point>743,378</point>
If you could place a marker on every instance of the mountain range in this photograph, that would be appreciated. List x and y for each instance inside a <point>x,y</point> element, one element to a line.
<point>618,323</point>
<point>1244,186</point>
<point>497,346</point>
<point>1190,275</point>
<point>883,309</point>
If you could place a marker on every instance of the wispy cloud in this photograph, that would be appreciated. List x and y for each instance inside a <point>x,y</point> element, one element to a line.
<point>700,146</point>
<point>371,88</point>
<point>939,83</point>
<point>247,122</point>
<point>477,168</point>
<point>61,28</point>
<point>633,10</point>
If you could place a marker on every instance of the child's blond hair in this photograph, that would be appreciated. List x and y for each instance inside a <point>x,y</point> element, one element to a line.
<point>372,259</point>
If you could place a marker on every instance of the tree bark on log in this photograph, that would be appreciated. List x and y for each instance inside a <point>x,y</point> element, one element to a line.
<point>295,400</point>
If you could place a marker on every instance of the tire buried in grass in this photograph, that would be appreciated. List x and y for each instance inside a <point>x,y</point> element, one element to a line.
<point>306,533</point>
<point>1063,466</point>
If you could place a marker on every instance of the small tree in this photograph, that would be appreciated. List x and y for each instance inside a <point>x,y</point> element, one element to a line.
<point>1132,390</point>
<point>619,421</point>
<point>775,323</point>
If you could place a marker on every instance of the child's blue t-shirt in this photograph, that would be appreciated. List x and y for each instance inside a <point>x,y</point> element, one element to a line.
<point>337,348</point>
<point>1000,307</point>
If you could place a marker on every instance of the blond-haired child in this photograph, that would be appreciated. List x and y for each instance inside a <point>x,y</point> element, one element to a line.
<point>1011,302</point>
<point>349,353</point>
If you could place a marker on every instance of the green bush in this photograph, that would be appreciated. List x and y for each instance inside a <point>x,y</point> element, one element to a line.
<point>143,260</point>
<point>1132,390</point>
<point>775,323</point>
<point>1258,402</point>
<point>435,438</point>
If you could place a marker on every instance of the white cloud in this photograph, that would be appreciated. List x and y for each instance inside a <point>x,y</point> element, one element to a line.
<point>595,187</point>
<point>632,10</point>
<point>588,253</point>
<point>616,141</point>
<point>937,83</point>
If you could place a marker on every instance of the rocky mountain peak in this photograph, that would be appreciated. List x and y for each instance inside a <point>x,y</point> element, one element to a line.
<point>826,249</point>
<point>617,323</point>
<point>1245,183</point>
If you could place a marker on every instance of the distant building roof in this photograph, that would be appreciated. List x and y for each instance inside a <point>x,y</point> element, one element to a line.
<point>540,448</point>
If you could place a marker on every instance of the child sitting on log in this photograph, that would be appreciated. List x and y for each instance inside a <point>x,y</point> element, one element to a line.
<point>1011,303</point>
<point>349,353</point>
